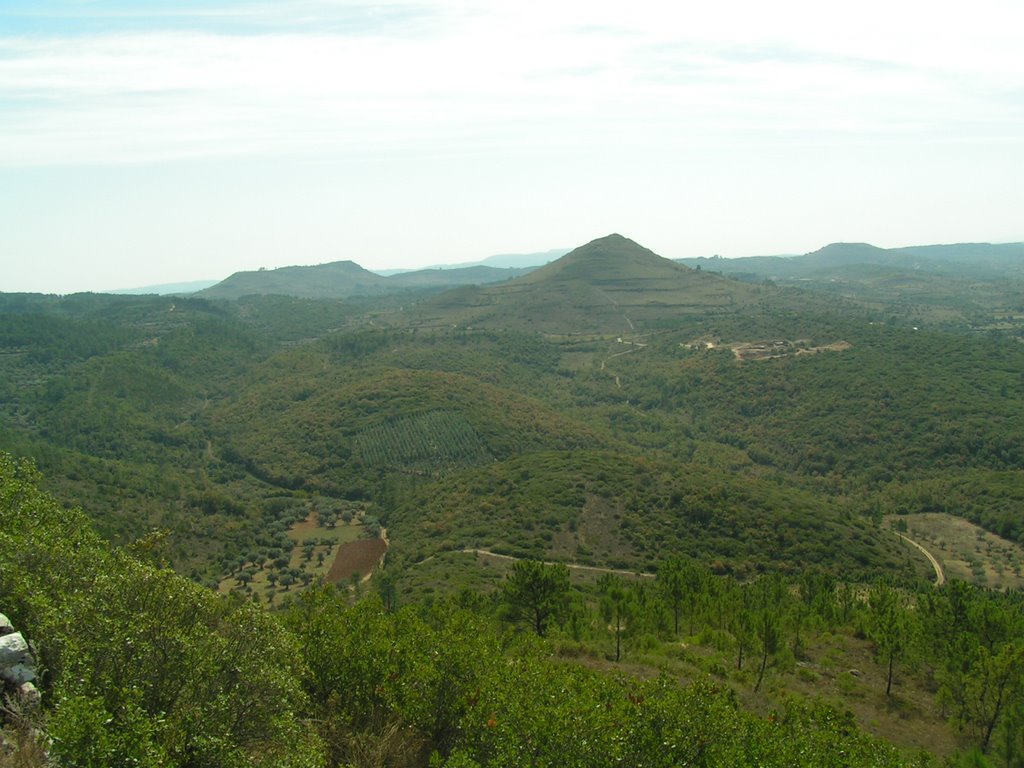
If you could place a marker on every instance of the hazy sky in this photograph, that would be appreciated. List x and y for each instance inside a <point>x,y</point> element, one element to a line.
<point>145,142</point>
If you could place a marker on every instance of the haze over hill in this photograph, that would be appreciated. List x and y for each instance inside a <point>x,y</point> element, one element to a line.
<point>983,260</point>
<point>343,279</point>
<point>499,260</point>
<point>164,289</point>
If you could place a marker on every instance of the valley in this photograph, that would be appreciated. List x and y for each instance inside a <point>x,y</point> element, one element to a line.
<point>709,473</point>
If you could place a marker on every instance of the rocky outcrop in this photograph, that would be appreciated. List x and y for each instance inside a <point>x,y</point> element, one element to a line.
<point>17,665</point>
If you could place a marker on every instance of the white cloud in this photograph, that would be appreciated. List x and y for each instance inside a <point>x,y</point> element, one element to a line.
<point>226,135</point>
<point>523,75</point>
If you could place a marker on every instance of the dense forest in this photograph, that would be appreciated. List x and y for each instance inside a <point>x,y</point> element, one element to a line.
<point>659,526</point>
<point>143,667</point>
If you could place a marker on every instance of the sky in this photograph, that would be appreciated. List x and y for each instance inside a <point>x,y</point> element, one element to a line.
<point>147,142</point>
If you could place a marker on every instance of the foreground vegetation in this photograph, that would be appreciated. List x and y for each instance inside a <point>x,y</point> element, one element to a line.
<point>145,668</point>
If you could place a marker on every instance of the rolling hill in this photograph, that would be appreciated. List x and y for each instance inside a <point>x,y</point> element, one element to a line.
<point>618,509</point>
<point>345,279</point>
<point>219,417</point>
<point>968,286</point>
<point>611,285</point>
<point>980,260</point>
<point>636,422</point>
<point>323,281</point>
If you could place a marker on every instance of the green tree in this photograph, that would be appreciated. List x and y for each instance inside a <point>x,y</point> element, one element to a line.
<point>681,585</point>
<point>672,585</point>
<point>766,626</point>
<point>741,621</point>
<point>888,627</point>
<point>995,686</point>
<point>537,592</point>
<point>387,590</point>
<point>770,600</point>
<point>618,608</point>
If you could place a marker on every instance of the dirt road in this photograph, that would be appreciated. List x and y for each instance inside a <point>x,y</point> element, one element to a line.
<point>570,566</point>
<point>940,575</point>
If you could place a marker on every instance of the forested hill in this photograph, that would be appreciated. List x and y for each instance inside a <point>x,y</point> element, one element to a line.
<point>610,285</point>
<point>345,279</point>
<point>971,286</point>
<point>225,422</point>
<point>980,260</point>
<point>612,412</point>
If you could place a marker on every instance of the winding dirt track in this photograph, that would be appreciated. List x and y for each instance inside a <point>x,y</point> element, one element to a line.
<point>940,575</point>
<point>570,566</point>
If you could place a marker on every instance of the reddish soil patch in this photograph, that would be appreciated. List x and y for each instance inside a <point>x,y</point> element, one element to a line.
<point>356,557</point>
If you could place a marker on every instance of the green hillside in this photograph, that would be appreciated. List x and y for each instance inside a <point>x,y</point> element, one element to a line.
<point>608,286</point>
<point>985,261</point>
<point>346,279</point>
<point>334,280</point>
<point>145,668</point>
<point>612,413</point>
<point>627,512</point>
<point>220,420</point>
<point>968,286</point>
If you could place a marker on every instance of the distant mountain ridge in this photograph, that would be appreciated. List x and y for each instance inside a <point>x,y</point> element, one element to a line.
<point>594,265</point>
<point>164,289</point>
<point>500,260</point>
<point>984,260</point>
<point>344,279</point>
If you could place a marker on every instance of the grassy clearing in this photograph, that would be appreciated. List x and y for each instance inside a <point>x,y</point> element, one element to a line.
<point>965,550</point>
<point>448,573</point>
<point>338,534</point>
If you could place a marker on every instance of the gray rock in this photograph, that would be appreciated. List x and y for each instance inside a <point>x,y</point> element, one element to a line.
<point>14,650</point>
<point>6,628</point>
<point>18,674</point>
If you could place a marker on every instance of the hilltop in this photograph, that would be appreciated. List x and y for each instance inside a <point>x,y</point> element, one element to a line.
<point>345,279</point>
<point>334,280</point>
<point>611,285</point>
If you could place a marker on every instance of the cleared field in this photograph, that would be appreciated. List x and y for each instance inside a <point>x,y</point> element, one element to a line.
<point>341,533</point>
<point>965,550</point>
<point>356,557</point>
